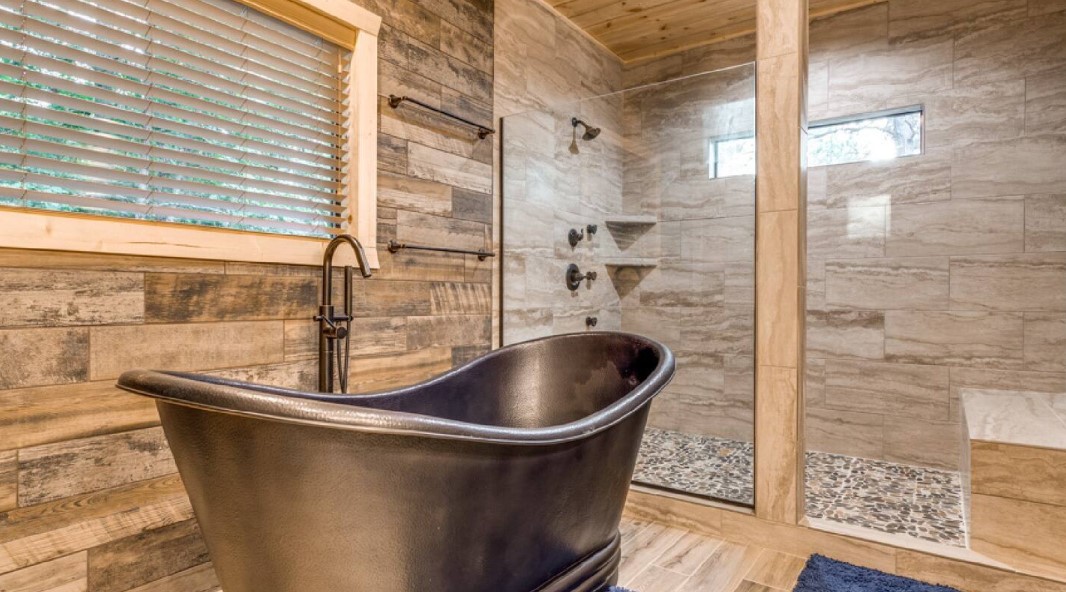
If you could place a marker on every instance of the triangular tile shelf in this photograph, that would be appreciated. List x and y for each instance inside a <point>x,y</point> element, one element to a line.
<point>632,220</point>
<point>631,262</point>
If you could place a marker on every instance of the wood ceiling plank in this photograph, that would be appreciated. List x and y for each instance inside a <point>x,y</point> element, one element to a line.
<point>667,15</point>
<point>642,29</point>
<point>593,15</point>
<point>824,8</point>
<point>685,31</point>
<point>677,43</point>
<point>682,20</point>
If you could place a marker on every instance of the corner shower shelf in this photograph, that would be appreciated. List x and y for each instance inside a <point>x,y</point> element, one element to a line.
<point>632,220</point>
<point>631,262</point>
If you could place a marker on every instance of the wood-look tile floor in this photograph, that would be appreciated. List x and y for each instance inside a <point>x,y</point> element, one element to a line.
<point>658,558</point>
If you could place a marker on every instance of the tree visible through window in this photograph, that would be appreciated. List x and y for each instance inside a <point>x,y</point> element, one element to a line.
<point>876,136</point>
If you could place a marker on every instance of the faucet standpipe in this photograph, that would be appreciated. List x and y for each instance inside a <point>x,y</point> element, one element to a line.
<point>333,327</point>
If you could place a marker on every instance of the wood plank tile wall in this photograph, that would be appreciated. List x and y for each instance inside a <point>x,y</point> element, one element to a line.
<point>89,498</point>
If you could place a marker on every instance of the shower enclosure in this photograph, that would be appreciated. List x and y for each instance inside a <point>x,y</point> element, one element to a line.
<point>935,337</point>
<point>933,270</point>
<point>646,197</point>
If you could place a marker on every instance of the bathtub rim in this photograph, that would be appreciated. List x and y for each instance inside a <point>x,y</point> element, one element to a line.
<point>283,405</point>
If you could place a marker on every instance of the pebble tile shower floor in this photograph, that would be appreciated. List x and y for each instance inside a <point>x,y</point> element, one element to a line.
<point>889,497</point>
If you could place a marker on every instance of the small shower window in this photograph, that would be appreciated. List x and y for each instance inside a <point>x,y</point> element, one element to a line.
<point>856,138</point>
<point>732,157</point>
<point>873,136</point>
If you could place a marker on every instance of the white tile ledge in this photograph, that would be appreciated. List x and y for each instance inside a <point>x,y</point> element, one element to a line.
<point>631,262</point>
<point>632,220</point>
<point>1023,418</point>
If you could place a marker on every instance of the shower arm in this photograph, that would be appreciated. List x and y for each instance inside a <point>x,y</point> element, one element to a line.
<point>590,131</point>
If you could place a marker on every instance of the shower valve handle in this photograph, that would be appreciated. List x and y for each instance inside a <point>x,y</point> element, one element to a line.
<point>577,236</point>
<point>574,277</point>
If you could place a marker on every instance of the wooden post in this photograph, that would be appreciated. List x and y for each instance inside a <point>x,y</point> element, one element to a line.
<point>362,202</point>
<point>780,257</point>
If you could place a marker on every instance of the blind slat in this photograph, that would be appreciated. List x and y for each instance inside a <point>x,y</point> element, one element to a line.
<point>163,213</point>
<point>92,82</point>
<point>159,207</point>
<point>151,136</point>
<point>42,182</point>
<point>143,62</point>
<point>107,158</point>
<point>112,27</point>
<point>148,152</point>
<point>82,202</point>
<point>172,119</point>
<point>151,70</point>
<point>279,55</point>
<point>281,63</point>
<point>39,170</point>
<point>197,112</point>
<point>263,26</point>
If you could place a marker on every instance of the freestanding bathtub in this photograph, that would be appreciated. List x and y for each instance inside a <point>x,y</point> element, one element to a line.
<point>507,474</point>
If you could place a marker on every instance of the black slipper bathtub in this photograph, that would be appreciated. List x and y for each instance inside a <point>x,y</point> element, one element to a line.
<point>507,474</point>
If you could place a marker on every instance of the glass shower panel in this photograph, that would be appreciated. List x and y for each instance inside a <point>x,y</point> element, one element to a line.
<point>558,177</point>
<point>656,187</point>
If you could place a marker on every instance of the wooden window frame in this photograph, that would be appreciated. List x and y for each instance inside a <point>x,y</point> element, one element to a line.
<point>339,21</point>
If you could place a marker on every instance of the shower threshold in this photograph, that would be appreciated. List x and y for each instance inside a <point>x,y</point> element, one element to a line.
<point>888,497</point>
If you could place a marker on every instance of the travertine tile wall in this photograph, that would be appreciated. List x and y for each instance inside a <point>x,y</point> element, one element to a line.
<point>699,299</point>
<point>946,270</point>
<point>708,235</point>
<point>548,71</point>
<point>651,158</point>
<point>89,499</point>
<point>943,271</point>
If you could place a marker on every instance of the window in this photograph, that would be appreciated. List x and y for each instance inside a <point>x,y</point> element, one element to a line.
<point>731,157</point>
<point>202,113</point>
<point>873,136</point>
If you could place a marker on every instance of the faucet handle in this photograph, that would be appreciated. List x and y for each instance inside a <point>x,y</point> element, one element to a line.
<point>575,236</point>
<point>574,277</point>
<point>330,328</point>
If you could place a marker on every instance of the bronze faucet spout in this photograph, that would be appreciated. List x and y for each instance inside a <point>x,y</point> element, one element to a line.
<point>333,327</point>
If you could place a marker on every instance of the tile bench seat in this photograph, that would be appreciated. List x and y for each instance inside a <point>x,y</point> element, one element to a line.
<point>1017,498</point>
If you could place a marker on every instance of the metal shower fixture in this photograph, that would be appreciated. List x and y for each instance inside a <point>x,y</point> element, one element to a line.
<point>574,277</point>
<point>577,236</point>
<point>590,132</point>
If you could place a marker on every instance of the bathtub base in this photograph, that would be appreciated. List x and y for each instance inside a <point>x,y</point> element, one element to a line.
<point>594,573</point>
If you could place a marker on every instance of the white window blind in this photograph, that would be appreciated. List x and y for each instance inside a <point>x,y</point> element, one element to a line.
<point>202,112</point>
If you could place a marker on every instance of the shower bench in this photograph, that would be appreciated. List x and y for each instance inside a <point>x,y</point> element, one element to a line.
<point>1016,499</point>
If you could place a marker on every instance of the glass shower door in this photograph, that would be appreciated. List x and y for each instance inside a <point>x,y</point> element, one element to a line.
<point>660,201</point>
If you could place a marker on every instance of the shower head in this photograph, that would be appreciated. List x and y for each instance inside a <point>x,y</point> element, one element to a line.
<point>590,132</point>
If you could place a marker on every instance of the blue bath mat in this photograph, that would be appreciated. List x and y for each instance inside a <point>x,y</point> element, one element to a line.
<point>823,574</point>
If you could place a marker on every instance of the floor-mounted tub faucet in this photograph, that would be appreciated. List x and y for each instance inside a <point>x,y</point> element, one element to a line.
<point>331,326</point>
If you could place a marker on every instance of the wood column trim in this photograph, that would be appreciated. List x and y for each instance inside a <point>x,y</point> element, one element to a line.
<point>362,199</point>
<point>780,256</point>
